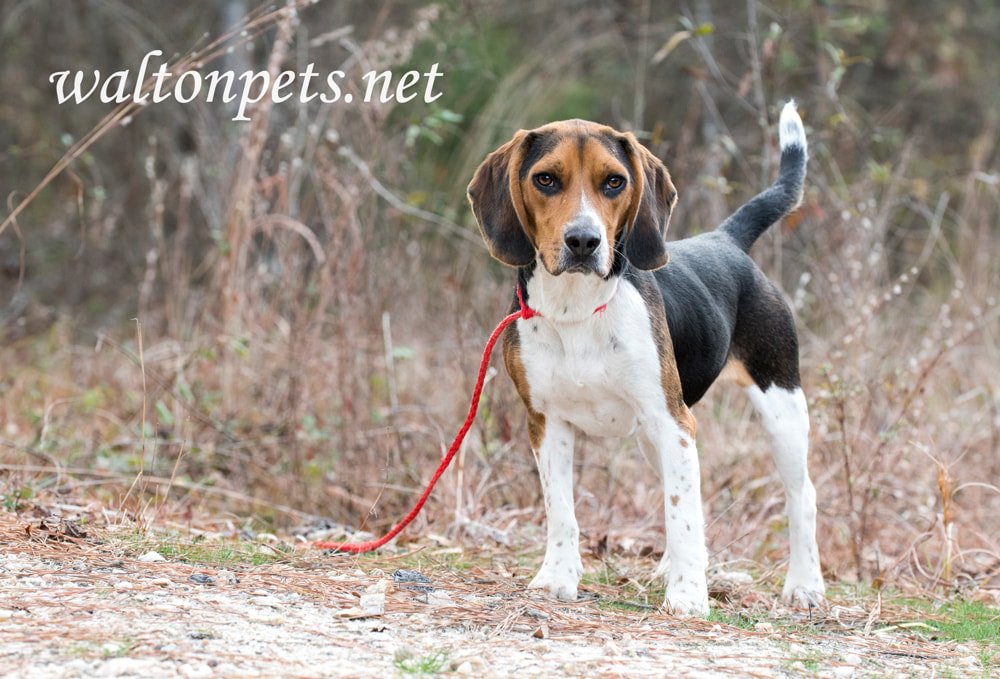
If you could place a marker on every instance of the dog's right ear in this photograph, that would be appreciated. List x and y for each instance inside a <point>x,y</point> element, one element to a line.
<point>498,212</point>
<point>650,209</point>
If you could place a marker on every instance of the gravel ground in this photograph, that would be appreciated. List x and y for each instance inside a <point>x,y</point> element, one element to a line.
<point>78,609</point>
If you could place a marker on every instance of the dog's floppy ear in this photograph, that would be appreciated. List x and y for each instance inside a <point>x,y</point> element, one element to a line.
<point>653,198</point>
<point>498,212</point>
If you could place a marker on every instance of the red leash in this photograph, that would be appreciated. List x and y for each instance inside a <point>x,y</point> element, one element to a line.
<point>525,312</point>
<point>361,547</point>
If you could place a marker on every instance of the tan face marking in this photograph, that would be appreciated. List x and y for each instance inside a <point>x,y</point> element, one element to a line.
<point>580,179</point>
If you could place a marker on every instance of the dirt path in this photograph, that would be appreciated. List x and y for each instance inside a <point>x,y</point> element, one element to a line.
<point>86,607</point>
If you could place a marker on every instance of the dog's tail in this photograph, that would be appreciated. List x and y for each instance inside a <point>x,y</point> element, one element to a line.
<point>747,224</point>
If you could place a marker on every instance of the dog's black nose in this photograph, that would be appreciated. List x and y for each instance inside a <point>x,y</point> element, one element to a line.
<point>582,241</point>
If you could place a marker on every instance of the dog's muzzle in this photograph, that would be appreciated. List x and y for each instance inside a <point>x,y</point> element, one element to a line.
<point>580,250</point>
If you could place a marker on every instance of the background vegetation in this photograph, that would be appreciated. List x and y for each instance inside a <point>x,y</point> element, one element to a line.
<point>283,318</point>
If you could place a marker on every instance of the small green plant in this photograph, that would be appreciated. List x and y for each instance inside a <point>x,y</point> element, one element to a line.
<point>425,665</point>
<point>118,647</point>
<point>810,662</point>
<point>12,499</point>
<point>77,649</point>
<point>735,618</point>
<point>115,648</point>
<point>432,126</point>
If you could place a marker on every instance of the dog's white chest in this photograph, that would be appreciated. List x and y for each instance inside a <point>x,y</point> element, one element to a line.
<point>596,373</point>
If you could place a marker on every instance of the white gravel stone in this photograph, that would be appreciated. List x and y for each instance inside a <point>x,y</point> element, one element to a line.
<point>151,557</point>
<point>373,604</point>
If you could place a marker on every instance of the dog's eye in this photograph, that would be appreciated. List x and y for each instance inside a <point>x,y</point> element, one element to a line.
<point>545,180</point>
<point>614,182</point>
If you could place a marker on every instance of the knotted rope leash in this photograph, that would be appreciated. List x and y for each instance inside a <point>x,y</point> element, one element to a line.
<point>524,312</point>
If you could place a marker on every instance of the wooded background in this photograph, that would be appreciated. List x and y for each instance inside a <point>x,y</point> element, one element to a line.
<point>312,294</point>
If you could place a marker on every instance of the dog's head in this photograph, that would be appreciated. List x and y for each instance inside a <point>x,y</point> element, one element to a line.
<point>572,192</point>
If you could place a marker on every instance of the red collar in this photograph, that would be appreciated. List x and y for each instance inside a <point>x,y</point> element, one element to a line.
<point>527,312</point>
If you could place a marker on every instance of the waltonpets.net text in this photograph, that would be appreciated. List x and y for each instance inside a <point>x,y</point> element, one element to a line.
<point>249,87</point>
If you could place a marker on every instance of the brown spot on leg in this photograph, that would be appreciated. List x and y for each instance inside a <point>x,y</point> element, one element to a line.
<point>684,443</point>
<point>674,499</point>
<point>515,368</point>
<point>536,428</point>
<point>685,419</point>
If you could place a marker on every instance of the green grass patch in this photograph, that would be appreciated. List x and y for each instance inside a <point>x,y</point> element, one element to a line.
<point>747,620</point>
<point>453,560</point>
<point>811,663</point>
<point>969,621</point>
<point>424,665</point>
<point>959,620</point>
<point>630,606</point>
<point>606,576</point>
<point>115,648</point>
<point>226,552</point>
<point>219,554</point>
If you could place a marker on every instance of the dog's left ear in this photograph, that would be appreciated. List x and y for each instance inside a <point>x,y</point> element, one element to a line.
<point>653,198</point>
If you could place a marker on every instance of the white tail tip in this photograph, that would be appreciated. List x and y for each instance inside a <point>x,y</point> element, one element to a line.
<point>790,130</point>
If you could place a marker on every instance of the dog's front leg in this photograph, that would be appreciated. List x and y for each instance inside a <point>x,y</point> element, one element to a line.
<point>674,450</point>
<point>562,567</point>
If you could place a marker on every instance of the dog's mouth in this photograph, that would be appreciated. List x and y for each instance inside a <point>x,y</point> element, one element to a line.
<point>578,267</point>
<point>582,267</point>
<point>575,264</point>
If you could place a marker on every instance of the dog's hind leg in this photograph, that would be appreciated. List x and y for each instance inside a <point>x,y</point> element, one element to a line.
<point>766,351</point>
<point>786,417</point>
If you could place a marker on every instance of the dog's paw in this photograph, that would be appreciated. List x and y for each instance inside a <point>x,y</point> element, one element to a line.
<point>560,580</point>
<point>687,605</point>
<point>687,597</point>
<point>805,591</point>
<point>803,597</point>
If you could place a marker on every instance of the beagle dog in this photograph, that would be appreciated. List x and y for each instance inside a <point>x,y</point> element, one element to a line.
<point>614,340</point>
